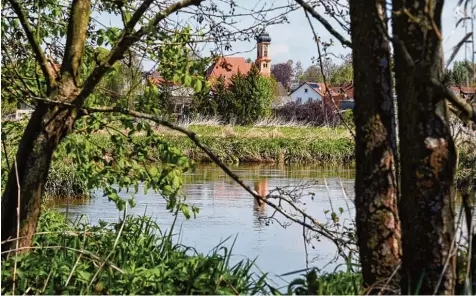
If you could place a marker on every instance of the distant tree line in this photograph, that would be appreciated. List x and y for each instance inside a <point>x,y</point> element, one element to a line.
<point>242,100</point>
<point>287,73</point>
<point>460,75</point>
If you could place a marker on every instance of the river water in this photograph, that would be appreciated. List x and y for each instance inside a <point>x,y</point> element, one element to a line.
<point>227,210</point>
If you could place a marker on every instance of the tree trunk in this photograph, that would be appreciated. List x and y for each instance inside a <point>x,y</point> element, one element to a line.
<point>46,128</point>
<point>378,226</point>
<point>428,156</point>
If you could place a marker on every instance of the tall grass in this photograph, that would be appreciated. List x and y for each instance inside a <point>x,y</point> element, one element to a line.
<point>129,257</point>
<point>236,144</point>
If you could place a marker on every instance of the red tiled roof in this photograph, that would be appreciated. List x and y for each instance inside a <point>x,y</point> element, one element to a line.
<point>227,67</point>
<point>468,90</point>
<point>156,79</point>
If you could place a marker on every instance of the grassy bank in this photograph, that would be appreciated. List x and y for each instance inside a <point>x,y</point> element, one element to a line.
<point>288,145</point>
<point>135,257</point>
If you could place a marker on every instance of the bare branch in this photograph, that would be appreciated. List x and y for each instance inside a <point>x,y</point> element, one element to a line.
<point>324,77</point>
<point>325,23</point>
<point>35,44</point>
<point>465,107</point>
<point>127,40</point>
<point>194,138</point>
<point>75,42</point>
<point>458,47</point>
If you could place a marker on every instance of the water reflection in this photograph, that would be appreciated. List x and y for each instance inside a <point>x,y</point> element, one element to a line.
<point>227,210</point>
<point>259,207</point>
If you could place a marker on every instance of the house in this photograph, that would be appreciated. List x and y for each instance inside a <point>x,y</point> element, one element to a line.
<point>226,67</point>
<point>464,92</point>
<point>181,96</point>
<point>309,92</point>
<point>467,92</point>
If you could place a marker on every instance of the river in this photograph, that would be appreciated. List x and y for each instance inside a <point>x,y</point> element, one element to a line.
<point>227,210</point>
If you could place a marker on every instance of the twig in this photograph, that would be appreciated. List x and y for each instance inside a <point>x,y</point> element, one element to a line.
<point>324,76</point>
<point>450,254</point>
<point>6,155</point>
<point>91,255</point>
<point>308,9</point>
<point>194,138</point>
<point>18,228</point>
<point>389,279</point>
<point>46,281</point>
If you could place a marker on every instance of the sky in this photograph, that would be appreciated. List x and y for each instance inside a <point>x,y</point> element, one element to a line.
<point>294,40</point>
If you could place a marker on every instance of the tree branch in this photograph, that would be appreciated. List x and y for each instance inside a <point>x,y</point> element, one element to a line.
<point>325,23</point>
<point>194,138</point>
<point>468,109</point>
<point>75,42</point>
<point>35,45</point>
<point>127,40</point>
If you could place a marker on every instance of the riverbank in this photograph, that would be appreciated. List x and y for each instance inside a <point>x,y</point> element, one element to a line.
<point>286,145</point>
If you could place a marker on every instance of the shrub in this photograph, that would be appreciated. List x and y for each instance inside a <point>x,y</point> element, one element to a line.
<point>314,113</point>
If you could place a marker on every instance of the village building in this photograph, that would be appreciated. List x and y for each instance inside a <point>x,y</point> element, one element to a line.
<point>226,67</point>
<point>308,92</point>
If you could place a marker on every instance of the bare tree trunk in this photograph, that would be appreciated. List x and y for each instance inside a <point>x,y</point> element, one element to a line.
<point>378,226</point>
<point>428,156</point>
<point>42,135</point>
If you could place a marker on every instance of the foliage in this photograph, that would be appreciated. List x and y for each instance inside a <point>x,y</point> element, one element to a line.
<point>315,113</point>
<point>342,74</point>
<point>282,72</point>
<point>312,73</point>
<point>133,256</point>
<point>337,283</point>
<point>244,100</point>
<point>298,71</point>
<point>462,73</point>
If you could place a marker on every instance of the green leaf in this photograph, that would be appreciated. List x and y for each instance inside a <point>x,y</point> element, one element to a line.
<point>187,80</point>
<point>198,85</point>
<point>132,202</point>
<point>100,40</point>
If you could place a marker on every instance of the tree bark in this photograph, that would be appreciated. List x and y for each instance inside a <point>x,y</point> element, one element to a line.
<point>48,125</point>
<point>42,135</point>
<point>428,156</point>
<point>378,226</point>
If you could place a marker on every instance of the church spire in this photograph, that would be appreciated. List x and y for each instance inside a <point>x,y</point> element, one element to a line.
<point>263,61</point>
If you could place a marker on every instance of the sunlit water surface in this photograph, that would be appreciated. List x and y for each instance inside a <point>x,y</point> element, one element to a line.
<point>227,210</point>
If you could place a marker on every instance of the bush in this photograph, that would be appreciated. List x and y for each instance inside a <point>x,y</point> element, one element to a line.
<point>314,113</point>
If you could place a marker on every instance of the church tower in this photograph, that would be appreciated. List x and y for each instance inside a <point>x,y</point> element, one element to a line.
<point>263,61</point>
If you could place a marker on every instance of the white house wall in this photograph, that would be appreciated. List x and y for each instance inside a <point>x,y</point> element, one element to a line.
<point>305,96</point>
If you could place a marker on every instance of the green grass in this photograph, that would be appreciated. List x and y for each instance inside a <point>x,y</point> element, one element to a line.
<point>136,257</point>
<point>237,144</point>
<point>68,260</point>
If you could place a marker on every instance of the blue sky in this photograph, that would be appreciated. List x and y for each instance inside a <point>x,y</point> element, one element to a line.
<point>294,41</point>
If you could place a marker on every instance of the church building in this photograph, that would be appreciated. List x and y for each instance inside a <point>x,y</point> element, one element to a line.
<point>228,66</point>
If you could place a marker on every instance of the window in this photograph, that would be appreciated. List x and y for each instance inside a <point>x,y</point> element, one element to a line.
<point>265,51</point>
<point>299,100</point>
<point>305,90</point>
<point>309,100</point>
